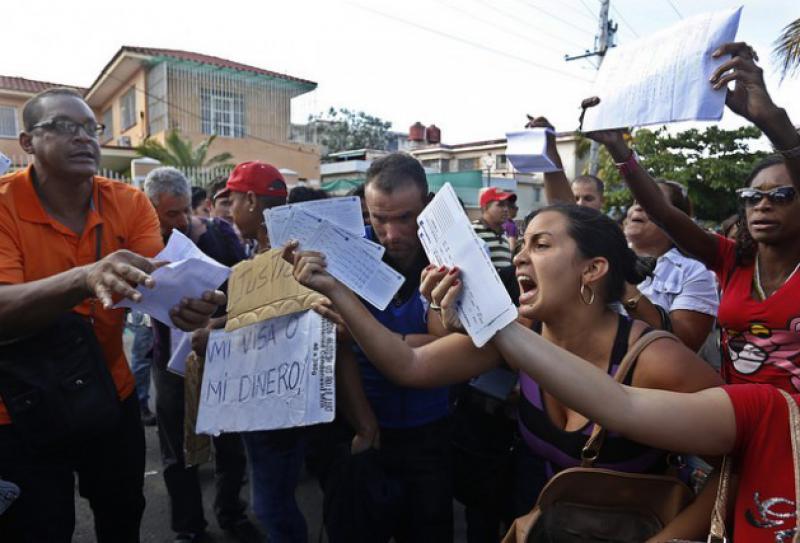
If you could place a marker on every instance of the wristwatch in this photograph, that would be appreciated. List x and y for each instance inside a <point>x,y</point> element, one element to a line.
<point>632,303</point>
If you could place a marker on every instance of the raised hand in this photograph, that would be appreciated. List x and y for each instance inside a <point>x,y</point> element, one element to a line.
<point>310,269</point>
<point>749,97</point>
<point>442,287</point>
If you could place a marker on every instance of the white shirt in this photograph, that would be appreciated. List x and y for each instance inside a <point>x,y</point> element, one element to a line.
<point>680,282</point>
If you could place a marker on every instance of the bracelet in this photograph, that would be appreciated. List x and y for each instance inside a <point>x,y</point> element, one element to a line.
<point>790,154</point>
<point>626,168</point>
<point>435,307</point>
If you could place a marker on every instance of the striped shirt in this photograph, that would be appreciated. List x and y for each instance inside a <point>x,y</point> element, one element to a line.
<point>496,243</point>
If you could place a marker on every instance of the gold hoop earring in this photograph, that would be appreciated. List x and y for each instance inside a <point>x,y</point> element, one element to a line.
<point>583,295</point>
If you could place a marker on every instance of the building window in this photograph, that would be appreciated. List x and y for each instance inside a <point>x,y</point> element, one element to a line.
<point>108,121</point>
<point>501,163</point>
<point>467,164</point>
<point>127,107</point>
<point>8,122</point>
<point>537,194</point>
<point>445,165</point>
<point>223,114</point>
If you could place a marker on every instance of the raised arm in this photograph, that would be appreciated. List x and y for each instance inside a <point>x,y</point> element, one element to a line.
<point>556,185</point>
<point>448,360</point>
<point>698,423</point>
<point>750,99</point>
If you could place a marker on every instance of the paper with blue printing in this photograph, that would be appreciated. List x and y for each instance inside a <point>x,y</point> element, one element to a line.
<point>278,373</point>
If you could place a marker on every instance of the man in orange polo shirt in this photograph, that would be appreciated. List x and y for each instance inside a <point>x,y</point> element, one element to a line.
<point>50,216</point>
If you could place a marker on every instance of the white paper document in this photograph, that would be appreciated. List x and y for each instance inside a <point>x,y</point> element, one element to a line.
<point>5,163</point>
<point>351,258</point>
<point>189,274</point>
<point>664,77</point>
<point>527,150</point>
<point>449,240</point>
<point>278,373</point>
<point>181,346</point>
<point>344,212</point>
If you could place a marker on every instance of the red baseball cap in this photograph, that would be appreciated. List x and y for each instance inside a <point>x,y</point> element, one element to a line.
<point>259,177</point>
<point>491,194</point>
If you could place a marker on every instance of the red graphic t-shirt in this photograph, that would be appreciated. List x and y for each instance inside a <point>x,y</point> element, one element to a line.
<point>765,501</point>
<point>760,339</point>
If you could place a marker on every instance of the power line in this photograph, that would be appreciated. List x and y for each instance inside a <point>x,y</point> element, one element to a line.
<point>470,43</point>
<point>678,13</point>
<point>624,20</point>
<point>588,9</point>
<point>502,29</point>
<point>557,18</point>
<point>516,19</point>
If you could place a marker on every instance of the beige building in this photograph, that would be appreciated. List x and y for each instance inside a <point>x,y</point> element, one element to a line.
<point>146,92</point>
<point>489,158</point>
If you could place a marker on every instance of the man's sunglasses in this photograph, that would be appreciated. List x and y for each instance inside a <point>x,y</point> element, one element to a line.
<point>781,195</point>
<point>66,127</point>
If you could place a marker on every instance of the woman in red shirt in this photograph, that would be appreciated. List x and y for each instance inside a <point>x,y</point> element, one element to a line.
<point>758,313</point>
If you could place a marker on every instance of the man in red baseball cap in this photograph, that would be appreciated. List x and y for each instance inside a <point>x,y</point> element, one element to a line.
<point>253,187</point>
<point>494,213</point>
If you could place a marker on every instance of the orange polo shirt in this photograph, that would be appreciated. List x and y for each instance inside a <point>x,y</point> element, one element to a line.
<point>34,246</point>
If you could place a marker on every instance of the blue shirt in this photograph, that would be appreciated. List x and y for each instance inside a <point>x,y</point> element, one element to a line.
<point>396,406</point>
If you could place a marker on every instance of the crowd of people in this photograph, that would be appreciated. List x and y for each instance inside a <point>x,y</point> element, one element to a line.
<point>424,416</point>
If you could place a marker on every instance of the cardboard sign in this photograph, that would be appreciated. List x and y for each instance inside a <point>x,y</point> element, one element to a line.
<point>264,288</point>
<point>274,374</point>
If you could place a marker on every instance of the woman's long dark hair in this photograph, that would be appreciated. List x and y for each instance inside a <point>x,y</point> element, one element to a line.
<point>597,235</point>
<point>746,246</point>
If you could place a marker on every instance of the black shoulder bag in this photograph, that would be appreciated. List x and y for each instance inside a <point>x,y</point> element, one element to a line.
<point>56,385</point>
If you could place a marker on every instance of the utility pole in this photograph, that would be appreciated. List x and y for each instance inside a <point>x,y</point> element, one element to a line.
<point>607,29</point>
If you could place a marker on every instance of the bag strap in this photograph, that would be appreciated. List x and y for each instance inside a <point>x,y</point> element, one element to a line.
<point>794,431</point>
<point>720,512</point>
<point>591,451</point>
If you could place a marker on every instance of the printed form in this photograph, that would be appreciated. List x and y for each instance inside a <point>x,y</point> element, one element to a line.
<point>664,77</point>
<point>449,240</point>
<point>344,212</point>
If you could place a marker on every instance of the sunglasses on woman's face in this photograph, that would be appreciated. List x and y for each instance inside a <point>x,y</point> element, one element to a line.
<point>781,195</point>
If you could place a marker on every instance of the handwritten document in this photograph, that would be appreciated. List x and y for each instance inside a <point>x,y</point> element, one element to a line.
<point>344,212</point>
<point>273,374</point>
<point>527,150</point>
<point>449,240</point>
<point>189,274</point>
<point>665,76</point>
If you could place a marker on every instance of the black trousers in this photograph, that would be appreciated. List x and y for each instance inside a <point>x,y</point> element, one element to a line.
<point>183,484</point>
<point>110,471</point>
<point>406,492</point>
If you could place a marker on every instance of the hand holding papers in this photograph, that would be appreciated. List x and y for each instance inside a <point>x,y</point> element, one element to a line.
<point>527,151</point>
<point>449,240</point>
<point>188,275</point>
<point>337,231</point>
<point>664,77</point>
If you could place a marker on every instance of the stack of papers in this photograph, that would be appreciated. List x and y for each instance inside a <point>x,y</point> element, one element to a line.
<point>449,240</point>
<point>335,228</point>
<point>527,151</point>
<point>189,274</point>
<point>664,77</point>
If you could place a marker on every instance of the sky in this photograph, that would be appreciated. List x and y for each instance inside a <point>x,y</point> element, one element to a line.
<point>472,67</point>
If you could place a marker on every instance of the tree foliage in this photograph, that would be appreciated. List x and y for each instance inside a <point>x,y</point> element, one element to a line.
<point>344,129</point>
<point>787,49</point>
<point>181,153</point>
<point>711,164</point>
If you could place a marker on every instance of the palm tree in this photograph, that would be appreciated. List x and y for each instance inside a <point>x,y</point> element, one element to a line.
<point>787,49</point>
<point>179,152</point>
